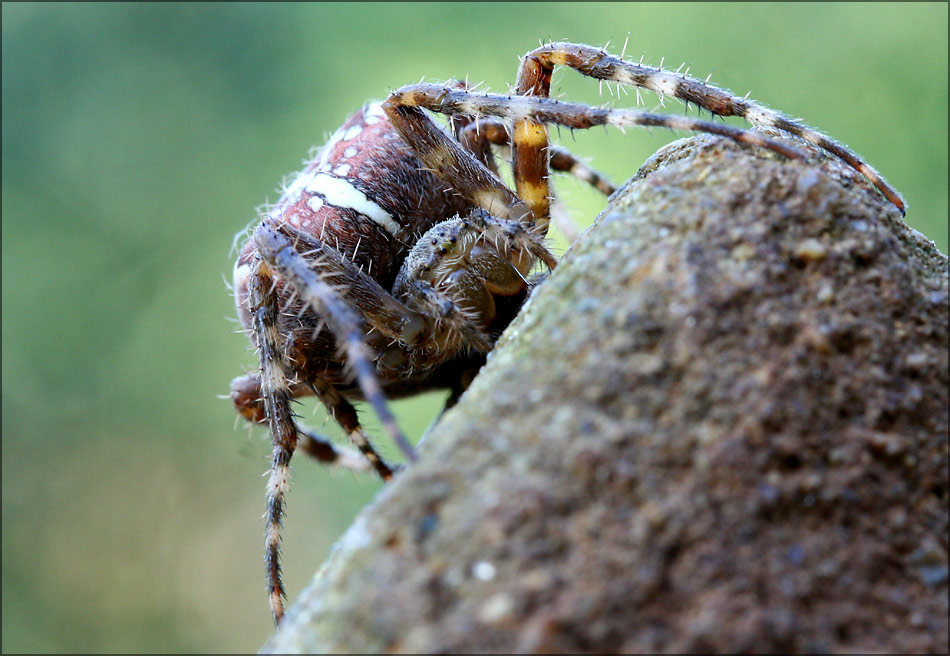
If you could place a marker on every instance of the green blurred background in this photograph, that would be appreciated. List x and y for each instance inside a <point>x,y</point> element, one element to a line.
<point>138,139</point>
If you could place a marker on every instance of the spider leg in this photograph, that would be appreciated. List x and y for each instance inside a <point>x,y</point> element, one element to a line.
<point>345,415</point>
<point>478,136</point>
<point>446,158</point>
<point>321,279</point>
<point>562,160</point>
<point>534,78</point>
<point>278,250</point>
<point>476,183</point>
<point>324,451</point>
<point>493,131</point>
<point>248,400</point>
<point>275,390</point>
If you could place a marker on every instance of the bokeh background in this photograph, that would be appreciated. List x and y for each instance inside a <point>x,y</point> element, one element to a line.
<point>138,139</point>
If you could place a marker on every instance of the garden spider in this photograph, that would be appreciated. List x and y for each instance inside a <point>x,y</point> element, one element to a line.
<point>391,264</point>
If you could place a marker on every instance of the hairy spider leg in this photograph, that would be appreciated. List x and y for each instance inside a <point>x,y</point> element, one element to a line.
<point>280,252</point>
<point>494,131</point>
<point>445,157</point>
<point>275,391</point>
<point>478,136</point>
<point>562,160</point>
<point>324,280</point>
<point>479,185</point>
<point>280,258</point>
<point>248,398</point>
<point>534,78</point>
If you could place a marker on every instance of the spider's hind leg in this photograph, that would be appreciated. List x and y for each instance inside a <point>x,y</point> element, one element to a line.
<point>280,259</point>
<point>276,395</point>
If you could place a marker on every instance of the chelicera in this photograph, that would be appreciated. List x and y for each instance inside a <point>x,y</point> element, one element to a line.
<point>392,262</point>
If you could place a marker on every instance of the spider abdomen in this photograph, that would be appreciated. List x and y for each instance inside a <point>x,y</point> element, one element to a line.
<point>364,194</point>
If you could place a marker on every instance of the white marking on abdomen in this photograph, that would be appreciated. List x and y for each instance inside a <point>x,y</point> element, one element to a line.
<point>352,132</point>
<point>342,193</point>
<point>372,113</point>
<point>328,147</point>
<point>293,190</point>
<point>315,203</point>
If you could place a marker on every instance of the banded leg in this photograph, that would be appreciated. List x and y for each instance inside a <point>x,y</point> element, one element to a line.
<point>478,136</point>
<point>476,183</point>
<point>534,78</point>
<point>560,159</point>
<point>248,400</point>
<point>445,157</point>
<point>345,415</point>
<point>324,451</point>
<point>275,391</point>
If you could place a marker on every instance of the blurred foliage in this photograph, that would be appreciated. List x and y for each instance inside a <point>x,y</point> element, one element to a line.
<point>138,139</point>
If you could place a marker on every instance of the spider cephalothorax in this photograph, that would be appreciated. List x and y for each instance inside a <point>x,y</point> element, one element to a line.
<point>393,261</point>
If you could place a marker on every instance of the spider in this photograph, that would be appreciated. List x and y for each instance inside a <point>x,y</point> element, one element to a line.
<point>393,261</point>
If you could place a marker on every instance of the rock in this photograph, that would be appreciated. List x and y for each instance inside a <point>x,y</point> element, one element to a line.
<point>721,425</point>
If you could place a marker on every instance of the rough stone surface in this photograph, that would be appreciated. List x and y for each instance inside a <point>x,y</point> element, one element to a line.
<point>721,425</point>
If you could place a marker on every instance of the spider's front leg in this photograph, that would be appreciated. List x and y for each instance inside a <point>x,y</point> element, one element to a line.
<point>534,78</point>
<point>475,182</point>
